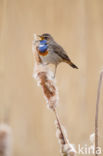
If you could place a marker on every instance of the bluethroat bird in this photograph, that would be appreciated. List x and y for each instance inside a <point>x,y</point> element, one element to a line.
<point>51,52</point>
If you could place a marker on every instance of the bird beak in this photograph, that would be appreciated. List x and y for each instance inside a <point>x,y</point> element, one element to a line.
<point>41,37</point>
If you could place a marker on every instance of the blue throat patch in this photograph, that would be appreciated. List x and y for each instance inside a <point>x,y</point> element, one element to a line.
<point>43,46</point>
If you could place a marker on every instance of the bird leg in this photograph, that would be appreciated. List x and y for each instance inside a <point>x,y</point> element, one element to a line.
<point>55,70</point>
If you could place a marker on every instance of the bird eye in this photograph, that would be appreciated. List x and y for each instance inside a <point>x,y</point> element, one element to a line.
<point>46,38</point>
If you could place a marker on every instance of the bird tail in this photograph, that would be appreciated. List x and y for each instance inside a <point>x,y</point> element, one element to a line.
<point>71,64</point>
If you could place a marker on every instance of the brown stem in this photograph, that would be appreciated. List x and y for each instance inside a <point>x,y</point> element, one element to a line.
<point>59,124</point>
<point>97,112</point>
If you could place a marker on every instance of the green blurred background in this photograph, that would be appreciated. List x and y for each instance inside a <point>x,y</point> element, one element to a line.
<point>78,27</point>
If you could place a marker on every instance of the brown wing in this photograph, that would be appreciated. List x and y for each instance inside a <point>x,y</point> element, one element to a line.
<point>60,51</point>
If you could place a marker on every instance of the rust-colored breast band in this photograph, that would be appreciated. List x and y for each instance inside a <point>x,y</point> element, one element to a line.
<point>43,53</point>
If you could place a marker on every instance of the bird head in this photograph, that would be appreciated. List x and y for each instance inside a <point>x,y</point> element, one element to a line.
<point>46,37</point>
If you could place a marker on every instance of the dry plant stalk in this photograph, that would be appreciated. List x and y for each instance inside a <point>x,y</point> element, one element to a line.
<point>5,140</point>
<point>97,111</point>
<point>45,79</point>
<point>66,148</point>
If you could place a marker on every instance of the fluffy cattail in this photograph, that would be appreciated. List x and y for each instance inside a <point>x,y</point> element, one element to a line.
<point>45,79</point>
<point>5,140</point>
<point>92,138</point>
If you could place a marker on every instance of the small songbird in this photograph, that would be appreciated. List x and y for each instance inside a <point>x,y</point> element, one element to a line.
<point>51,52</point>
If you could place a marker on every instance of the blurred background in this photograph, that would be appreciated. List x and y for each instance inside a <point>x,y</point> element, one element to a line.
<point>78,27</point>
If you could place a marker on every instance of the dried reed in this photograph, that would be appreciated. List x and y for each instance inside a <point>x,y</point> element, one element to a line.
<point>97,112</point>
